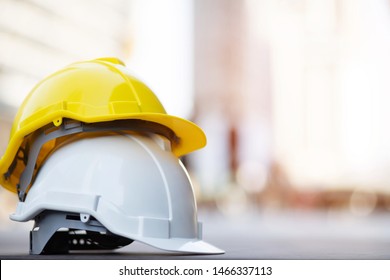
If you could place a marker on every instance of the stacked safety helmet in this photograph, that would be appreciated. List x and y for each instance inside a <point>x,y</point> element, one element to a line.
<point>94,159</point>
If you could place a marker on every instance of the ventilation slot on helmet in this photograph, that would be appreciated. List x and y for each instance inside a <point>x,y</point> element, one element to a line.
<point>75,217</point>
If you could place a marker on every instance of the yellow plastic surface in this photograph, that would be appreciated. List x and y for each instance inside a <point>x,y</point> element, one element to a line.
<point>94,91</point>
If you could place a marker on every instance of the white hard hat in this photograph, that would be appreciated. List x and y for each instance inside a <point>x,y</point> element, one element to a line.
<point>120,187</point>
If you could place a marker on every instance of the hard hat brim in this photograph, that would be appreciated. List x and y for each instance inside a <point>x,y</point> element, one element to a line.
<point>108,214</point>
<point>193,246</point>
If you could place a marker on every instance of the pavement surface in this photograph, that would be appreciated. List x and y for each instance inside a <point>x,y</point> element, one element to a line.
<point>254,234</point>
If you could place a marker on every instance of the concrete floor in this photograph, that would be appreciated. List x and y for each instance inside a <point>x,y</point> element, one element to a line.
<point>253,235</point>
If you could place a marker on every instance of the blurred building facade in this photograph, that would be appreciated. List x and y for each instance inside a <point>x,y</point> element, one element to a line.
<point>293,96</point>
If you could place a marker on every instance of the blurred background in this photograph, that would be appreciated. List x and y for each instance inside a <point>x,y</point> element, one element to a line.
<point>293,94</point>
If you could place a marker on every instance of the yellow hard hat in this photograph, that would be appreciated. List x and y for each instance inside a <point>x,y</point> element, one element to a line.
<point>99,90</point>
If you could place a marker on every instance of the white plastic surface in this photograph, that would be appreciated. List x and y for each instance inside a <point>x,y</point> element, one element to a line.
<point>132,184</point>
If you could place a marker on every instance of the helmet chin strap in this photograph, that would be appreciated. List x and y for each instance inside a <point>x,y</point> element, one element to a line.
<point>69,127</point>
